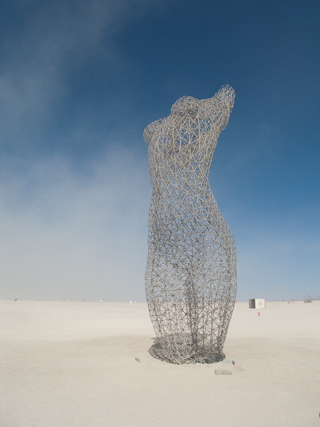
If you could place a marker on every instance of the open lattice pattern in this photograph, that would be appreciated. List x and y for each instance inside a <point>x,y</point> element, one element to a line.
<point>191,270</point>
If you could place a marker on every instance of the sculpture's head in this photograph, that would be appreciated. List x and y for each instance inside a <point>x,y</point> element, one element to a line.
<point>201,114</point>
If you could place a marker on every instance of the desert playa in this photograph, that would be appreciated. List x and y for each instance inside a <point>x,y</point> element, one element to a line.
<point>82,364</point>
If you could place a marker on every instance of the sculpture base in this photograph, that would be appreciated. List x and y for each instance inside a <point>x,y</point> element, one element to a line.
<point>202,355</point>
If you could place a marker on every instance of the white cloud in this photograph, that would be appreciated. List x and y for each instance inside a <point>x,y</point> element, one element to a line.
<point>83,234</point>
<point>67,235</point>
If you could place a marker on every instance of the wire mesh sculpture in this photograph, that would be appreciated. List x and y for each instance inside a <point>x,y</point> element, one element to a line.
<point>191,269</point>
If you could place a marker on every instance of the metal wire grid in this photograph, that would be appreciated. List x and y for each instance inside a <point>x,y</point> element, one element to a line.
<point>191,269</point>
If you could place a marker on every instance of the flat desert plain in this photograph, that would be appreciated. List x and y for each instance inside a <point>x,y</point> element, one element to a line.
<point>82,364</point>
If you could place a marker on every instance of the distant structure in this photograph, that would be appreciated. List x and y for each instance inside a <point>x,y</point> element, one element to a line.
<point>257,303</point>
<point>191,269</point>
<point>307,299</point>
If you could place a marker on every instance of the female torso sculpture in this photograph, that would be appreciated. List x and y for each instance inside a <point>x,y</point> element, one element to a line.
<point>191,269</point>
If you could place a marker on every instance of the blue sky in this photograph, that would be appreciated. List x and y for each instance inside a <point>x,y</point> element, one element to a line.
<point>80,81</point>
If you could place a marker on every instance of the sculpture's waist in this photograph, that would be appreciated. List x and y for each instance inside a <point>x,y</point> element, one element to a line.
<point>179,203</point>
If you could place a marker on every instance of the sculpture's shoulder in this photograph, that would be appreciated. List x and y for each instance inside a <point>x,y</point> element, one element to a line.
<point>219,107</point>
<point>189,112</point>
<point>211,110</point>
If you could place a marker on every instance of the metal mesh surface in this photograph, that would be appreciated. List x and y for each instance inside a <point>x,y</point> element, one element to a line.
<point>191,269</point>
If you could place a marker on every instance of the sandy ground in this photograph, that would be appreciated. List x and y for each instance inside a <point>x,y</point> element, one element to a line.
<point>73,364</point>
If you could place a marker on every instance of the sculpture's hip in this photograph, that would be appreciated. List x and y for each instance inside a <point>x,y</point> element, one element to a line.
<point>190,280</point>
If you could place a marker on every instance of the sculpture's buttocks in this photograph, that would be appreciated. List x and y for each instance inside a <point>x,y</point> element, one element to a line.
<point>191,269</point>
